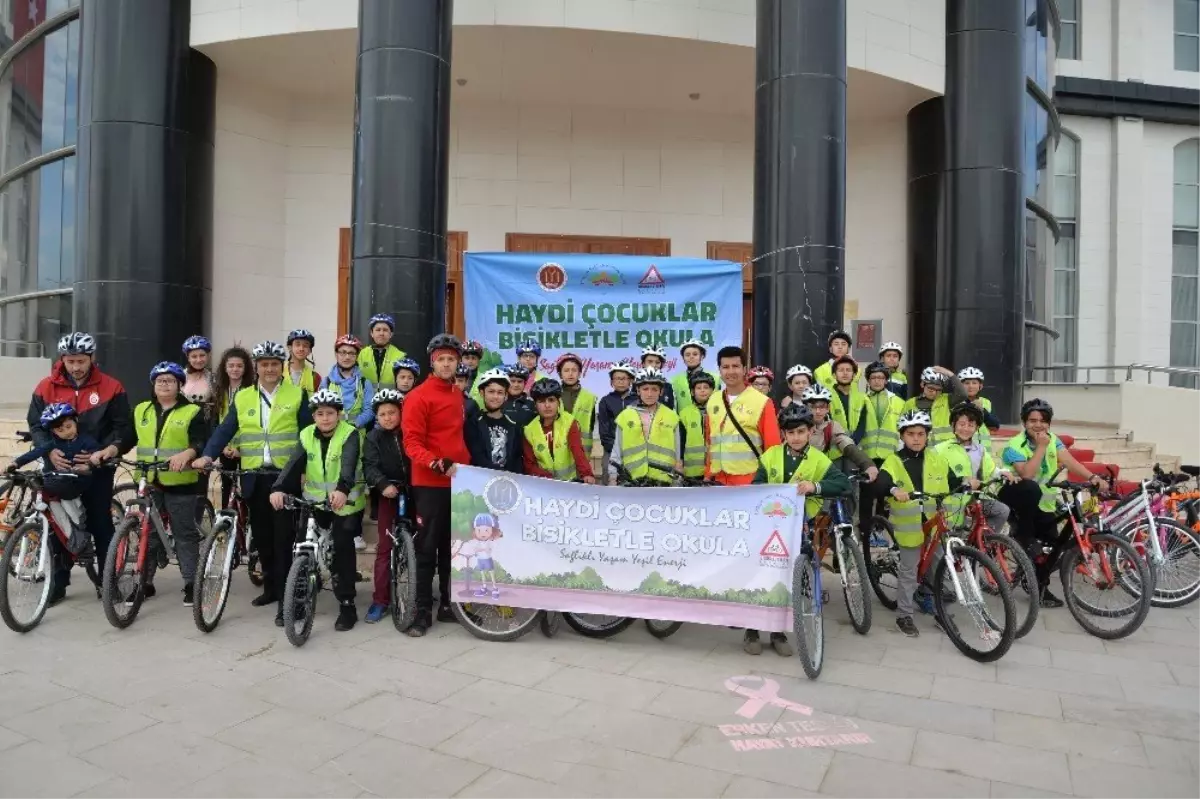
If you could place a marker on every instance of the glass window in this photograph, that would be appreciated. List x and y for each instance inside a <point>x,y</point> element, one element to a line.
<point>1066,254</point>
<point>1068,46</point>
<point>1187,35</point>
<point>1185,261</point>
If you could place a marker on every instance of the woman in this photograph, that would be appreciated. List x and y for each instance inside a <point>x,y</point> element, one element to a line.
<point>198,385</point>
<point>236,371</point>
<point>300,366</point>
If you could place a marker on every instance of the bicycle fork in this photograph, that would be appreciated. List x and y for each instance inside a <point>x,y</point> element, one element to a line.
<point>969,596</point>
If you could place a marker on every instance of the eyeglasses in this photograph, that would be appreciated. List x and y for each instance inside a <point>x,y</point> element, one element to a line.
<point>350,353</point>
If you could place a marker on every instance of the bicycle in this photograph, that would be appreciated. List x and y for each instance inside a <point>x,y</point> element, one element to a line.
<point>312,570</point>
<point>28,558</point>
<point>124,576</point>
<point>964,565</point>
<point>229,545</point>
<point>402,589</point>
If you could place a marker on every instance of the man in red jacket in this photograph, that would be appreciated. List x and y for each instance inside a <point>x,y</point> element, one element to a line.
<point>432,429</point>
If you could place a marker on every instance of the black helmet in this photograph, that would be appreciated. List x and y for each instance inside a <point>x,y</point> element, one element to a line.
<point>1036,404</point>
<point>546,387</point>
<point>968,409</point>
<point>462,371</point>
<point>795,415</point>
<point>518,371</point>
<point>842,334</point>
<point>699,377</point>
<point>874,368</point>
<point>444,341</point>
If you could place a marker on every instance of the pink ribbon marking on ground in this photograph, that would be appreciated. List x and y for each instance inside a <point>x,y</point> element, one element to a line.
<point>757,699</point>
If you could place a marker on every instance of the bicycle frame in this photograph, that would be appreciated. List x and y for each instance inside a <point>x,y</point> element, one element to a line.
<point>936,534</point>
<point>1076,529</point>
<point>144,509</point>
<point>1130,512</point>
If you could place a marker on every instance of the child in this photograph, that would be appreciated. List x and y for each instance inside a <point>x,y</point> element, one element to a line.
<point>693,352</point>
<point>326,465</point>
<point>620,377</point>
<point>485,532</point>
<point>518,406</point>
<point>577,400</point>
<point>351,383</point>
<point>371,360</point>
<point>839,345</point>
<point>385,468</point>
<point>798,378</point>
<point>815,476</point>
<point>890,354</point>
<point>972,380</point>
<point>648,434</point>
<point>462,378</point>
<point>471,353</point>
<point>553,445</point>
<point>493,439</point>
<point>761,378</point>
<point>656,358</point>
<point>528,353</point>
<point>405,373</point>
<point>693,421</point>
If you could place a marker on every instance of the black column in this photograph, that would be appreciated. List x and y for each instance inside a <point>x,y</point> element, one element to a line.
<point>145,172</point>
<point>966,204</point>
<point>401,167</point>
<point>799,180</point>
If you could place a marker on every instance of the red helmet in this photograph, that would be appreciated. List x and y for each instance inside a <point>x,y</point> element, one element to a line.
<point>762,371</point>
<point>347,340</point>
<point>566,357</point>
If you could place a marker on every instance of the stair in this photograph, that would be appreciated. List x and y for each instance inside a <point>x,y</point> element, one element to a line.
<point>1108,445</point>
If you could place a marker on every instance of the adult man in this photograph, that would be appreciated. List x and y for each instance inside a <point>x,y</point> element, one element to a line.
<point>620,377</point>
<point>553,446</point>
<point>741,423</point>
<point>171,428</point>
<point>374,359</point>
<point>934,401</point>
<point>839,345</point>
<point>850,408</point>
<point>267,419</point>
<point>648,433</point>
<point>493,439</point>
<point>577,400</point>
<point>433,440</point>
<point>104,414</point>
<point>693,353</point>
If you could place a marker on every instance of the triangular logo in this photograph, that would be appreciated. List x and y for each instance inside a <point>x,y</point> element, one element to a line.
<point>652,278</point>
<point>774,548</point>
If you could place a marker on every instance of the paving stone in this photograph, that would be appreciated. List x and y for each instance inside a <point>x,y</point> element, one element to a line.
<point>704,676</point>
<point>702,707</point>
<point>123,788</point>
<point>431,649</point>
<point>77,724</point>
<point>937,662</point>
<point>166,755</point>
<point>623,729</point>
<point>311,693</point>
<point>1172,754</point>
<point>10,739</point>
<point>256,776</point>
<point>1004,790</point>
<point>613,657</point>
<point>990,760</point>
<point>998,696</point>
<point>1185,675</point>
<point>403,719</point>
<point>1169,619</point>
<point>1163,653</point>
<point>497,784</point>
<point>1123,715</point>
<point>201,708</point>
<point>34,769</point>
<point>290,735</point>
<point>751,788</point>
<point>616,690</point>
<point>890,679</point>
<point>517,748</point>
<point>503,664</point>
<point>1101,778</point>
<point>619,773</point>
<point>377,672</point>
<point>25,692</point>
<point>1161,635</point>
<point>798,767</point>
<point>390,768</point>
<point>505,701</point>
<point>1121,746</point>
<point>907,711</point>
<point>1180,698</point>
<point>1095,663</point>
<point>1057,680</point>
<point>855,776</point>
<point>1076,640</point>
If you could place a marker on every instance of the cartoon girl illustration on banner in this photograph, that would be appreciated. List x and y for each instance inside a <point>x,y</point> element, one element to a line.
<point>486,531</point>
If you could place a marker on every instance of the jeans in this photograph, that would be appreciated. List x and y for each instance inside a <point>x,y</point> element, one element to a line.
<point>97,505</point>
<point>910,561</point>
<point>182,510</point>
<point>432,540</point>
<point>381,573</point>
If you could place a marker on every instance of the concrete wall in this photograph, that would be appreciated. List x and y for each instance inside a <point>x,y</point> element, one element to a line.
<point>1128,40</point>
<point>20,376</point>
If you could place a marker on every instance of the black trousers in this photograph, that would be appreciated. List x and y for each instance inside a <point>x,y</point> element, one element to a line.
<point>274,535</point>
<point>97,505</point>
<point>1030,525</point>
<point>344,557</point>
<point>432,542</point>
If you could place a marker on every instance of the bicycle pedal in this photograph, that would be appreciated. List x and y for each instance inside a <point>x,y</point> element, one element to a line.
<point>824,597</point>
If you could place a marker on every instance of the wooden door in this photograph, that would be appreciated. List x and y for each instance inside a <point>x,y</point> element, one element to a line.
<point>456,245</point>
<point>600,245</point>
<point>739,252</point>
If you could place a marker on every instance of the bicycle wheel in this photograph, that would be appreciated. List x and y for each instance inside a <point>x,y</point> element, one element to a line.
<point>122,590</point>
<point>1017,570</point>
<point>403,588</point>
<point>205,517</point>
<point>807,623</point>
<point>855,581</point>
<point>883,570</point>
<point>1177,579</point>
<point>594,625</point>
<point>1099,596</point>
<point>214,571</point>
<point>27,573</point>
<point>495,622</point>
<point>993,620</point>
<point>87,559</point>
<point>253,564</point>
<point>300,599</point>
<point>548,622</point>
<point>122,493</point>
<point>662,629</point>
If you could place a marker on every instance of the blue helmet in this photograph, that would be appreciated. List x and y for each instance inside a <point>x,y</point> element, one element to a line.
<point>529,346</point>
<point>196,343</point>
<point>484,520</point>
<point>382,318</point>
<point>406,363</point>
<point>168,368</point>
<point>55,411</point>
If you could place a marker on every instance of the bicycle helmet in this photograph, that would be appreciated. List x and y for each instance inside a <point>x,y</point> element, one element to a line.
<point>168,368</point>
<point>300,334</point>
<point>649,377</point>
<point>931,375</point>
<point>406,363</point>
<point>529,347</point>
<point>196,343</point>
<point>622,366</point>
<point>652,350</point>
<point>462,371</point>
<point>966,409</point>
<point>891,346</point>
<point>798,369</point>
<point>701,377</point>
<point>970,373</point>
<point>269,351</point>
<point>77,344</point>
<point>565,358</point>
<point>492,376</point>
<point>914,418</point>
<point>472,347</point>
<point>55,411</point>
<point>1039,405</point>
<point>693,342</point>
<point>761,371</point>
<point>444,341</point>
<point>518,371</point>
<point>326,397</point>
<point>835,335</point>
<point>794,415</point>
<point>348,340</point>
<point>546,387</point>
<point>816,393</point>
<point>484,520</point>
<point>874,368</point>
<point>385,396</point>
<point>382,319</point>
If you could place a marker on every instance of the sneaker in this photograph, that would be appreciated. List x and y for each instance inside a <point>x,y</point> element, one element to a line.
<point>262,600</point>
<point>924,602</point>
<point>420,624</point>
<point>162,559</point>
<point>56,595</point>
<point>445,615</point>
<point>878,542</point>
<point>750,643</point>
<point>347,617</point>
<point>779,643</point>
<point>375,613</point>
<point>360,544</point>
<point>906,626</point>
<point>1049,600</point>
<point>149,591</point>
<point>279,618</point>
<point>481,592</point>
<point>189,595</point>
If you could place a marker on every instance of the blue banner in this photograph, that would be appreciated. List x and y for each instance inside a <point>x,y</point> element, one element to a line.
<point>603,308</point>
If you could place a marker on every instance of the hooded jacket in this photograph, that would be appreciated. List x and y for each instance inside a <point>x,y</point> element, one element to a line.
<point>100,400</point>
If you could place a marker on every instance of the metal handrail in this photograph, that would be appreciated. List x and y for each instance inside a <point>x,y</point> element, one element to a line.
<point>40,346</point>
<point>35,295</point>
<point>1129,369</point>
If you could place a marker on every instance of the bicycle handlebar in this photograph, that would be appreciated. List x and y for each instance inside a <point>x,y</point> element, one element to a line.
<point>292,503</point>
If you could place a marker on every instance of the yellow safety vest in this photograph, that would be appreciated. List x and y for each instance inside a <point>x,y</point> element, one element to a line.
<point>637,453</point>
<point>321,476</point>
<point>308,378</point>
<point>560,463</point>
<point>172,441</point>
<point>282,433</point>
<point>728,452</point>
<point>885,438</point>
<point>823,374</point>
<point>960,463</point>
<point>683,389</point>
<point>351,413</point>
<point>908,517</point>
<point>366,362</point>
<point>812,467</point>
<point>940,415</point>
<point>1020,443</point>
<point>694,445</point>
<point>858,406</point>
<point>585,411</point>
<point>983,435</point>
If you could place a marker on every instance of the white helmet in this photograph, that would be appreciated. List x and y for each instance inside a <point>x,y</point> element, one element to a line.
<point>931,375</point>
<point>816,393</point>
<point>890,346</point>
<point>77,344</point>
<point>914,418</point>
<point>326,397</point>
<point>623,366</point>
<point>692,342</point>
<point>649,376</point>
<point>798,369</point>
<point>970,373</point>
<point>492,376</point>
<point>384,396</point>
<point>269,350</point>
<point>659,351</point>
